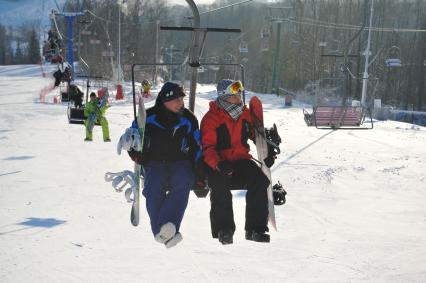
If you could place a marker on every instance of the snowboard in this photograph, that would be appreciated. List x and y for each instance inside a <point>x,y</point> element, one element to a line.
<point>94,116</point>
<point>134,215</point>
<point>256,111</point>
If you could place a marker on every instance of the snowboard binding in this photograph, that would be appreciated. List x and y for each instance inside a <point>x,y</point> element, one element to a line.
<point>279,194</point>
<point>120,180</point>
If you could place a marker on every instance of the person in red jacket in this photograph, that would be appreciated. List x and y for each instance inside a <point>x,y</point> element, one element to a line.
<point>225,130</point>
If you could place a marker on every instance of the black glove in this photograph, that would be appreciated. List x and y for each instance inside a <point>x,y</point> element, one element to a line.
<point>279,194</point>
<point>200,188</point>
<point>136,156</point>
<point>269,161</point>
<point>272,155</point>
<point>272,136</point>
<point>225,168</point>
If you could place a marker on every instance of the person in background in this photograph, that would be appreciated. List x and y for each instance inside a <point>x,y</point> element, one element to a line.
<point>146,89</point>
<point>90,108</point>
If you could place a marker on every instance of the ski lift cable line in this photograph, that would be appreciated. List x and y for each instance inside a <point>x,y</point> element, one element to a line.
<point>108,21</point>
<point>328,24</point>
<point>174,18</point>
<point>56,26</point>
<point>351,27</point>
<point>224,7</point>
<point>98,17</point>
<point>57,5</point>
<point>62,37</point>
<point>202,13</point>
<point>127,24</point>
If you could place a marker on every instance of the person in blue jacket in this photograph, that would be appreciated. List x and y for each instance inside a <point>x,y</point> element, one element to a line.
<point>169,157</point>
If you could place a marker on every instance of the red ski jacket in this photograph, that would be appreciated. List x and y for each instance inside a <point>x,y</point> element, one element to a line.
<point>222,138</point>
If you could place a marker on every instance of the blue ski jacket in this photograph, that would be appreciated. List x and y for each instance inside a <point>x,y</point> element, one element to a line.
<point>170,136</point>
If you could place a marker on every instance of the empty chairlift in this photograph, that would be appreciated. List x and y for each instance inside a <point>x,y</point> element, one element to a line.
<point>243,47</point>
<point>394,58</point>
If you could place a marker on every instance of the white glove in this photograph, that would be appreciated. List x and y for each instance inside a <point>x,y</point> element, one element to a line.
<point>129,140</point>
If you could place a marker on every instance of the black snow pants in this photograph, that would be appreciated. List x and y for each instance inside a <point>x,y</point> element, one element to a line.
<point>246,176</point>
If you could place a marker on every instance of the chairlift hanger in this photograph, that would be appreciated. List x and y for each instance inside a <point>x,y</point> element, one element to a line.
<point>205,31</point>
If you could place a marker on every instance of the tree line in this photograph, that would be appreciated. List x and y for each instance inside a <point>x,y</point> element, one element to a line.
<point>19,45</point>
<point>319,52</point>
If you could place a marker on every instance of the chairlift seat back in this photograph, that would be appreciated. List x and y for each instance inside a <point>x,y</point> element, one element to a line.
<point>337,117</point>
<point>393,62</point>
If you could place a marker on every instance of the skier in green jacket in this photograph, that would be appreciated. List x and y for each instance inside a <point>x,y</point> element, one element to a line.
<point>91,107</point>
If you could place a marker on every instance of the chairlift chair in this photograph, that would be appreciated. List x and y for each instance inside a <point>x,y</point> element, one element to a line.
<point>76,114</point>
<point>265,33</point>
<point>329,115</point>
<point>243,47</point>
<point>295,43</point>
<point>393,58</point>
<point>338,117</point>
<point>335,47</point>
<point>264,47</point>
<point>94,41</point>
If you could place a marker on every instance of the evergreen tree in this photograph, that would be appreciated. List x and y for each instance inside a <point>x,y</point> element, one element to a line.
<point>9,55</point>
<point>19,54</point>
<point>33,56</point>
<point>3,46</point>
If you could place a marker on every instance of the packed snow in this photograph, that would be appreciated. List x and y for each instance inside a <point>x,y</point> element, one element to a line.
<point>355,208</point>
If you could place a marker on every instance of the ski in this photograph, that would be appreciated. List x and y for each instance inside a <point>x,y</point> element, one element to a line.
<point>134,215</point>
<point>256,111</point>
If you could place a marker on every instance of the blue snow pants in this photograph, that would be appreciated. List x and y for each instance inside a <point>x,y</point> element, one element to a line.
<point>166,189</point>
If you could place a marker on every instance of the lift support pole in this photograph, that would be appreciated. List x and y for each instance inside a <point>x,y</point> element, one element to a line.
<point>197,47</point>
<point>70,53</point>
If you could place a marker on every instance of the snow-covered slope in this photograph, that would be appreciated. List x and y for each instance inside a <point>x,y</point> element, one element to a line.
<point>355,209</point>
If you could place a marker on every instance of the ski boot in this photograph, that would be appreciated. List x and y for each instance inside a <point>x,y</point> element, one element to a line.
<point>167,231</point>
<point>258,236</point>
<point>225,237</point>
<point>174,240</point>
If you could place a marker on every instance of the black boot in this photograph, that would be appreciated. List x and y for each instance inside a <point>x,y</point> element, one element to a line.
<point>258,236</point>
<point>225,237</point>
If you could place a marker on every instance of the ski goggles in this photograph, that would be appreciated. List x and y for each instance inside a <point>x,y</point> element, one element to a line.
<point>235,88</point>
